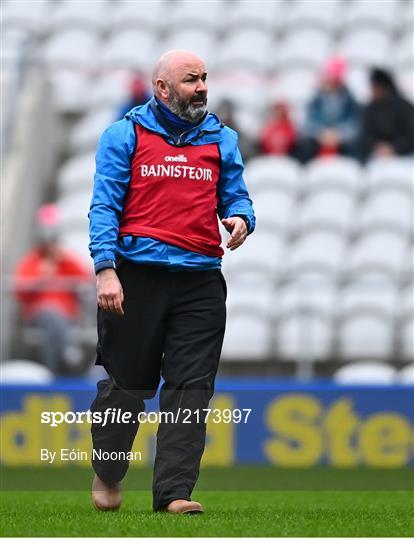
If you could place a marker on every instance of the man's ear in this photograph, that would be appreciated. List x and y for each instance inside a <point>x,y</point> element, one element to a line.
<point>163,90</point>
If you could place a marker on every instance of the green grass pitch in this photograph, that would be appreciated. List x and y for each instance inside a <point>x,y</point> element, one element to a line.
<point>227,513</point>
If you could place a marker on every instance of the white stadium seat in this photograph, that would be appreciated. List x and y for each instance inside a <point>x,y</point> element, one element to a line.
<point>377,14</point>
<point>304,336</point>
<point>111,89</point>
<point>205,15</point>
<point>134,15</point>
<point>303,295</point>
<point>295,85</point>
<point>357,80</point>
<point>130,49</point>
<point>25,14</point>
<point>267,171</point>
<point>237,52</point>
<point>86,132</point>
<point>247,337</point>
<point>378,252</point>
<point>92,16</point>
<point>304,48</point>
<point>403,50</point>
<point>263,15</point>
<point>388,208</point>
<point>274,208</point>
<point>365,295</point>
<point>74,209</point>
<point>318,13</point>
<point>77,242</point>
<point>71,90</point>
<point>317,252</point>
<point>77,174</point>
<point>353,47</point>
<point>262,253</point>
<point>406,375</point>
<point>365,373</point>
<point>71,49</point>
<point>198,40</point>
<point>407,338</point>
<point>391,173</point>
<point>329,208</point>
<point>365,335</point>
<point>333,172</point>
<point>24,372</point>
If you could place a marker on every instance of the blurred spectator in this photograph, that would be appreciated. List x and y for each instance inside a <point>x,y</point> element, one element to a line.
<point>279,134</point>
<point>225,110</point>
<point>138,95</point>
<point>47,284</point>
<point>387,121</point>
<point>331,125</point>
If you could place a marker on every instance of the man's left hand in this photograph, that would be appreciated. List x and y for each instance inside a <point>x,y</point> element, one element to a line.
<point>237,227</point>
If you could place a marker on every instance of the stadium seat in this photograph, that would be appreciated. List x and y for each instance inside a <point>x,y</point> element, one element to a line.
<point>26,15</point>
<point>307,48</point>
<point>334,172</point>
<point>236,51</point>
<point>387,209</point>
<point>357,80</point>
<point>295,85</point>
<point>303,336</point>
<point>365,336</point>
<point>77,242</point>
<point>406,338</point>
<point>328,208</point>
<point>303,295</point>
<point>248,335</point>
<point>210,16</point>
<point>406,375</point>
<point>199,40</point>
<point>262,253</point>
<point>378,252</point>
<point>130,49</point>
<point>76,175</point>
<point>262,15</point>
<point>391,173</point>
<point>317,252</point>
<point>365,373</point>
<point>111,89</point>
<point>74,209</point>
<point>274,208</point>
<point>375,14</point>
<point>91,16</point>
<point>267,171</point>
<point>129,15</point>
<point>368,295</point>
<point>71,49</point>
<point>353,47</point>
<point>24,372</point>
<point>403,50</point>
<point>86,132</point>
<point>71,90</point>
<point>316,14</point>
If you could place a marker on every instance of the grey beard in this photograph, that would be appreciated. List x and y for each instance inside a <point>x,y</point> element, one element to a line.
<point>186,111</point>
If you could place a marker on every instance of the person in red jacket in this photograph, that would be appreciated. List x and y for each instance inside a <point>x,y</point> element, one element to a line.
<point>278,136</point>
<point>47,283</point>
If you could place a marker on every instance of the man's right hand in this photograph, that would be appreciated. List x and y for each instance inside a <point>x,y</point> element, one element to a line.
<point>109,291</point>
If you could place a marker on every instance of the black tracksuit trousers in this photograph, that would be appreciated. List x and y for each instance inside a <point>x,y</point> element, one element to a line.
<point>173,326</point>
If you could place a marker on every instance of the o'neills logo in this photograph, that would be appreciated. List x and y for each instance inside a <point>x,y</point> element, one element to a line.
<point>177,171</point>
<point>180,158</point>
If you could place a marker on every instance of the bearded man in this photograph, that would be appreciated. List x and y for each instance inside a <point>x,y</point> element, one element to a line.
<point>163,174</point>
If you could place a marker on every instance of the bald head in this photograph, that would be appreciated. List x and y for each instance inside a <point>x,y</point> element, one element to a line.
<point>179,81</point>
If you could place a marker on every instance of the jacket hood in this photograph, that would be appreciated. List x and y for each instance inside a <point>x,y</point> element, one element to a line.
<point>144,115</point>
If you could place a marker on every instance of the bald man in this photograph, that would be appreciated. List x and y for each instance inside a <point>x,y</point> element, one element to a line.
<point>163,175</point>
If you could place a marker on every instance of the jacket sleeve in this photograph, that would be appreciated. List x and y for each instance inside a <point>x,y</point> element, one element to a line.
<point>233,197</point>
<point>112,176</point>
